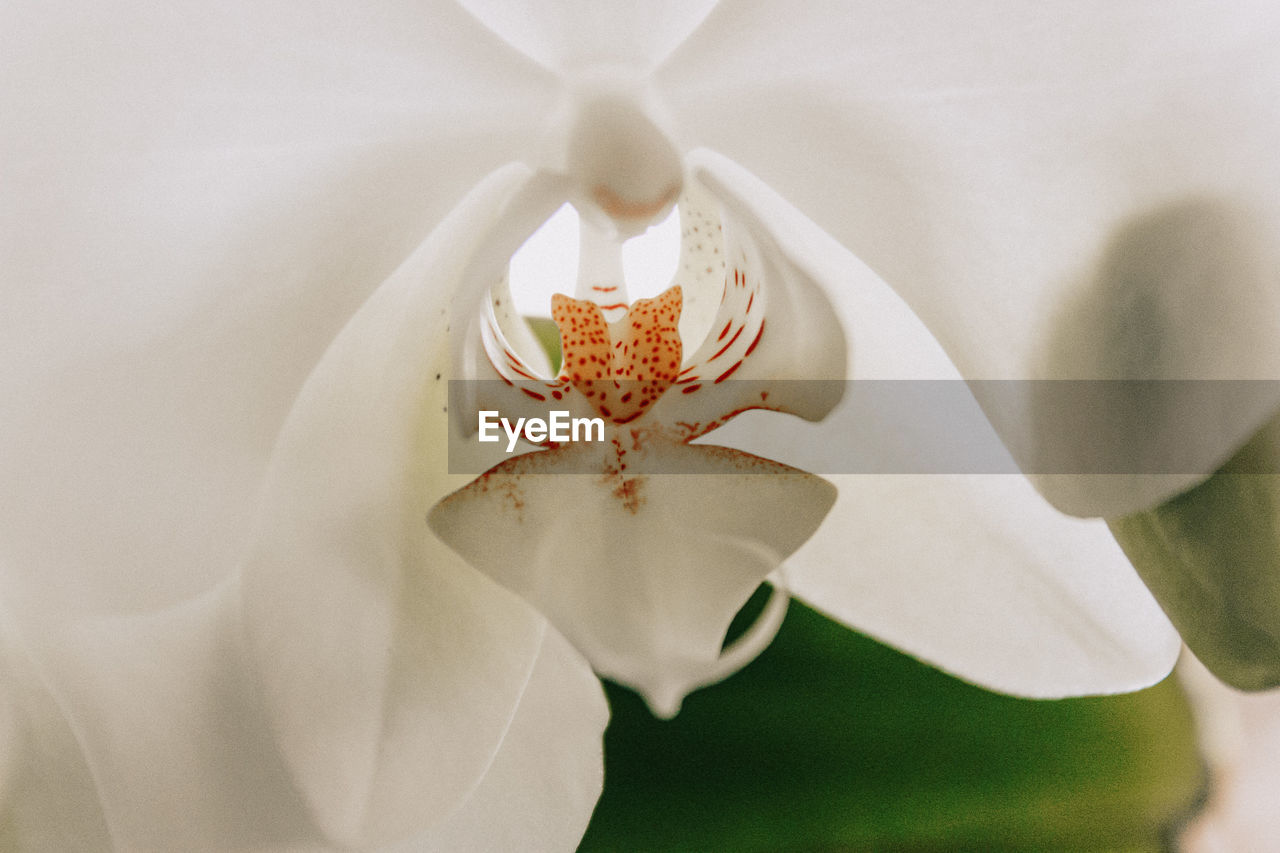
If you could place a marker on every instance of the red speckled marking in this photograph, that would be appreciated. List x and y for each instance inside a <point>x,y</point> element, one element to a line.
<point>726,346</point>
<point>640,370</point>
<point>723,376</point>
<point>752,348</point>
<point>524,373</point>
<point>628,491</point>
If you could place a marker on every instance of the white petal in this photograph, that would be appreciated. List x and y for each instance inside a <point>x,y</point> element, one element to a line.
<point>978,576</point>
<point>1088,192</point>
<point>569,34</point>
<point>391,668</point>
<point>197,196</point>
<point>974,574</point>
<point>166,709</point>
<point>643,573</point>
<point>182,756</point>
<point>1240,741</point>
<point>772,323</point>
<point>11,741</point>
<point>542,787</point>
<point>700,270</point>
<point>53,801</point>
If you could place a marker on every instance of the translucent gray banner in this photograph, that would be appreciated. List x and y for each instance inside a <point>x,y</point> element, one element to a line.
<point>1130,427</point>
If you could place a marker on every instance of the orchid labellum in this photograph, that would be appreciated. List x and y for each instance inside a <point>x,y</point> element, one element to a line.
<point>247,247</point>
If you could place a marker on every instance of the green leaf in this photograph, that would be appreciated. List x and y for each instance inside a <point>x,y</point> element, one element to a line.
<point>830,741</point>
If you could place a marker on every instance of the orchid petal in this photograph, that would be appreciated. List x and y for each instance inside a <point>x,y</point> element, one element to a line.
<point>642,573</point>
<point>11,746</point>
<point>181,731</point>
<point>700,270</point>
<point>974,574</point>
<point>182,756</point>
<point>977,576</point>
<point>391,669</point>
<point>773,322</point>
<point>541,789</point>
<point>571,34</point>
<point>197,196</point>
<point>52,802</point>
<point>1087,193</point>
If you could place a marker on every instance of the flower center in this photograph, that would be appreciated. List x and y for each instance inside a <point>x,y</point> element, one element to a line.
<point>622,367</point>
<point>640,548</point>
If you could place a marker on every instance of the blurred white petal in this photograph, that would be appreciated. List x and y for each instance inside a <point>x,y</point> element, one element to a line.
<point>1083,192</point>
<point>568,35</point>
<point>978,576</point>
<point>169,717</point>
<point>197,197</point>
<point>1240,740</point>
<point>391,668</point>
<point>975,574</point>
<point>146,751</point>
<point>543,784</point>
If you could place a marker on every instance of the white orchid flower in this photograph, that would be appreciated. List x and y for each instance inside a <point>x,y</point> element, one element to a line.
<point>244,244</point>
